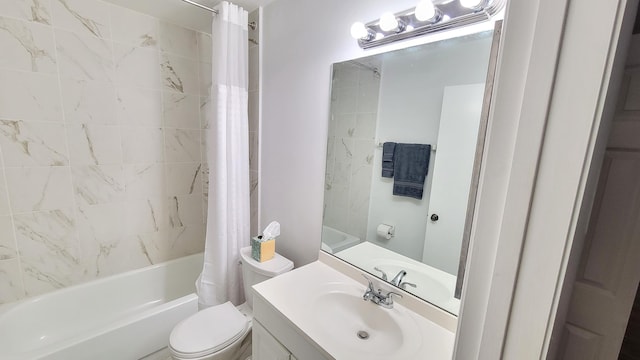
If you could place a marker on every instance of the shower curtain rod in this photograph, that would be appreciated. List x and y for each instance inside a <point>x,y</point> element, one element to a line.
<point>252,24</point>
<point>201,6</point>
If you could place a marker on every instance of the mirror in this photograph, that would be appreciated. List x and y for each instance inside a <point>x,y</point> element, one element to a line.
<point>394,117</point>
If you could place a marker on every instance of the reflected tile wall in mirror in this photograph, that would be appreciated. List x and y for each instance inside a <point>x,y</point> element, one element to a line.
<point>354,106</point>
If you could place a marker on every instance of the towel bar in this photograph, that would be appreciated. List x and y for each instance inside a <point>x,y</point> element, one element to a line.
<point>380,143</point>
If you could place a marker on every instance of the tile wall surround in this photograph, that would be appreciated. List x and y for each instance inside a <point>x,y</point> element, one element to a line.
<point>254,124</point>
<point>102,123</point>
<point>351,146</point>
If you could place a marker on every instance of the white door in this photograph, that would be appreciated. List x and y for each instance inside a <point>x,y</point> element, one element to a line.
<point>609,270</point>
<point>452,172</point>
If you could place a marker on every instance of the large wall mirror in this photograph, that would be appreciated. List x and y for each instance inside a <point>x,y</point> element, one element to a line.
<point>405,131</point>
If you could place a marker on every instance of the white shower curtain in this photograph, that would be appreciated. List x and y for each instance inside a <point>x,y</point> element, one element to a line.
<point>228,156</point>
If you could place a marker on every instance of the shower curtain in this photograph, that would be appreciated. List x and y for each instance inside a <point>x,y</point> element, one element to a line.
<point>228,157</point>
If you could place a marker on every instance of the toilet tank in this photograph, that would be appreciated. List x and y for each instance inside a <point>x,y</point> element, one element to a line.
<point>254,272</point>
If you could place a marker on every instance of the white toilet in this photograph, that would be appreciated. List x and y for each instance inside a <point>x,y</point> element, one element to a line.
<point>221,332</point>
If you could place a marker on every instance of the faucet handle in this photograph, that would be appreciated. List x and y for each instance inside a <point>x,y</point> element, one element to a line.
<point>386,301</point>
<point>404,285</point>
<point>369,294</point>
<point>384,275</point>
<point>391,293</point>
<point>370,282</point>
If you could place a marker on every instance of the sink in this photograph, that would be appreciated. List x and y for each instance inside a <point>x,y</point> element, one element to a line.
<point>364,328</point>
<point>358,328</point>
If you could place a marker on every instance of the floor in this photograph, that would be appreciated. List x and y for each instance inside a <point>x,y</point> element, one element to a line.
<point>163,355</point>
<point>631,345</point>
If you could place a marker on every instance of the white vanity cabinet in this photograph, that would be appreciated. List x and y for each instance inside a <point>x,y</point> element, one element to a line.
<point>316,312</point>
<point>265,347</point>
<point>275,337</point>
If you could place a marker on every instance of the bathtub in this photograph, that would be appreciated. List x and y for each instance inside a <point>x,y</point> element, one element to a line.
<point>125,316</point>
<point>334,240</point>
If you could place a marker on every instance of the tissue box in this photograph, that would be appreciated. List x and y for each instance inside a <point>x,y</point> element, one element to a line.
<point>262,250</point>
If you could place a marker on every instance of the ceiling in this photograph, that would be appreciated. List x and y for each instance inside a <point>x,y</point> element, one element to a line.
<point>190,16</point>
<point>181,13</point>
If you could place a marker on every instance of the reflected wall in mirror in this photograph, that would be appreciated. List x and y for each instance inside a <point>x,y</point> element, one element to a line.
<point>431,95</point>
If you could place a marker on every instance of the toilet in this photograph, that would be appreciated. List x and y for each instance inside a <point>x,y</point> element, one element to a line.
<point>222,332</point>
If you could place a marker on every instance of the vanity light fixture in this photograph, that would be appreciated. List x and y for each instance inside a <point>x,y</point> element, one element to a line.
<point>426,11</point>
<point>428,16</point>
<point>390,23</point>
<point>360,31</point>
<point>474,4</point>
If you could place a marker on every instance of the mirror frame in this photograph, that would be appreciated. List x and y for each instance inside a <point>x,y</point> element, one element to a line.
<point>477,163</point>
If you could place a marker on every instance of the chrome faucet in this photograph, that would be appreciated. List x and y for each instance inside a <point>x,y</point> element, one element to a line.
<point>378,297</point>
<point>398,278</point>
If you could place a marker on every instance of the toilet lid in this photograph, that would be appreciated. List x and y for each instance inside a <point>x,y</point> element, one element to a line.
<point>208,331</point>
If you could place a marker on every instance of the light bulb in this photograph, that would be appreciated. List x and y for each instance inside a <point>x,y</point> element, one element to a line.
<point>425,10</point>
<point>359,31</point>
<point>471,4</point>
<point>388,22</point>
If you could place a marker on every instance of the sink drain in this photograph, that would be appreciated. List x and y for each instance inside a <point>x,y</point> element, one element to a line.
<point>363,335</point>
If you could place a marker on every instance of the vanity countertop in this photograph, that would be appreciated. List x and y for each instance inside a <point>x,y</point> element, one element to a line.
<point>326,308</point>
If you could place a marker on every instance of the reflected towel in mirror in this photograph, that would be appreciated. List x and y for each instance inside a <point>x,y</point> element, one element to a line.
<point>411,164</point>
<point>388,150</point>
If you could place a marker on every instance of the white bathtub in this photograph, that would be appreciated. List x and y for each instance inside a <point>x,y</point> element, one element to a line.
<point>126,316</point>
<point>334,240</point>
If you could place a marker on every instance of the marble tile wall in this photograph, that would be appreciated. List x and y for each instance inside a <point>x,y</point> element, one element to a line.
<point>101,117</point>
<point>350,150</point>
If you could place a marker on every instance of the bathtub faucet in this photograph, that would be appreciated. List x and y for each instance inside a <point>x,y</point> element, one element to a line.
<point>398,278</point>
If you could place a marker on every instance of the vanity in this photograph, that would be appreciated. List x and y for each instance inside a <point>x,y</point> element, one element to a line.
<point>317,312</point>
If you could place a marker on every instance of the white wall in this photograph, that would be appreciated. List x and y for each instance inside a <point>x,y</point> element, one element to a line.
<point>301,39</point>
<point>409,112</point>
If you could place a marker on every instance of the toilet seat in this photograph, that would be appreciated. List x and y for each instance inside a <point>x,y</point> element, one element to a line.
<point>208,331</point>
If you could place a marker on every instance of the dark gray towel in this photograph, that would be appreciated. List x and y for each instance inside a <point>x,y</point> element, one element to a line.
<point>411,164</point>
<point>388,149</point>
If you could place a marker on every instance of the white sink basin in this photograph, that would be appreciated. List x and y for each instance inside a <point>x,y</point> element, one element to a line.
<point>363,327</point>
